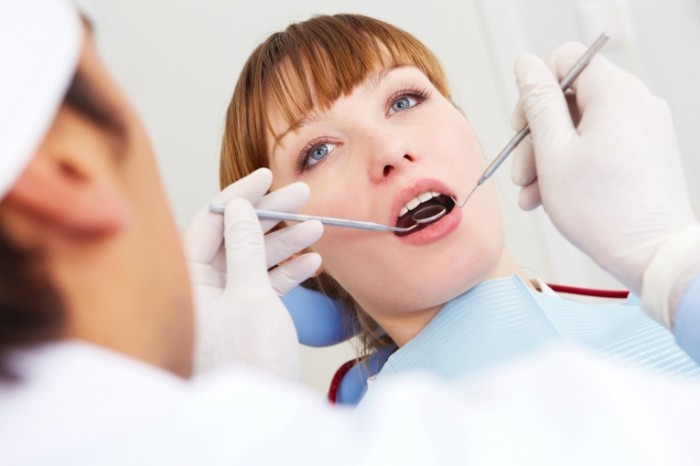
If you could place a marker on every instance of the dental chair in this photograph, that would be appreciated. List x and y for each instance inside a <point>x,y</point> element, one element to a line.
<point>319,322</point>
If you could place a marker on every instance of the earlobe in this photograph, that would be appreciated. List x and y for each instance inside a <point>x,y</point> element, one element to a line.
<point>57,194</point>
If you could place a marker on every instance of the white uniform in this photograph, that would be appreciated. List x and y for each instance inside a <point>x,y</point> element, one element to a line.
<point>80,404</point>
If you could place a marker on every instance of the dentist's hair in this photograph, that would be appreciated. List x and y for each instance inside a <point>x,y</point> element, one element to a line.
<point>314,63</point>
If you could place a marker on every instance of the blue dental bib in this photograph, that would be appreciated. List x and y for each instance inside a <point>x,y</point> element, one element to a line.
<point>500,319</point>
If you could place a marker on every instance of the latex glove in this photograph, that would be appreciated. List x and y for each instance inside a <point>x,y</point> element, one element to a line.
<point>607,170</point>
<point>239,315</point>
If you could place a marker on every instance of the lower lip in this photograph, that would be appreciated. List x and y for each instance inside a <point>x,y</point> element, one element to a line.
<point>435,231</point>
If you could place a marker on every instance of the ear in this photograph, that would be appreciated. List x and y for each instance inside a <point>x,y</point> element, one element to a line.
<point>58,193</point>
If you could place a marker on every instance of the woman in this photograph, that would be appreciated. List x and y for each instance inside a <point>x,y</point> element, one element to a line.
<point>361,112</point>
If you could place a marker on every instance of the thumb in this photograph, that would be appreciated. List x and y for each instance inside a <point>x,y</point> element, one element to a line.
<point>542,101</point>
<point>245,247</point>
<point>202,238</point>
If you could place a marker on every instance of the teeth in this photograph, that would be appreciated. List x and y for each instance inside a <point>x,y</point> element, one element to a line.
<point>413,203</point>
<point>425,197</point>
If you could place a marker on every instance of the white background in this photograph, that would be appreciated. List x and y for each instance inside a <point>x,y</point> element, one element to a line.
<point>178,61</point>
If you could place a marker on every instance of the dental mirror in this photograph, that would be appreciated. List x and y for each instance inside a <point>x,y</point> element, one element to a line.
<point>429,213</point>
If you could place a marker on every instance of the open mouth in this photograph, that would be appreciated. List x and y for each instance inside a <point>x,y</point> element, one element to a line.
<point>432,200</point>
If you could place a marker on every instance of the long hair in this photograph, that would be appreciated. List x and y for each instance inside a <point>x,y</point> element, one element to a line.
<point>315,62</point>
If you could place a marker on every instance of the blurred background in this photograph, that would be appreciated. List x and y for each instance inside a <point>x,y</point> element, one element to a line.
<point>178,62</point>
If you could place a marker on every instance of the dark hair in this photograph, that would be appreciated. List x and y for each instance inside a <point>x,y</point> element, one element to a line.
<point>31,310</point>
<point>84,99</point>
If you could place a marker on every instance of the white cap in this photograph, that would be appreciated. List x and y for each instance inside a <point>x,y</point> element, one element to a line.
<point>40,44</point>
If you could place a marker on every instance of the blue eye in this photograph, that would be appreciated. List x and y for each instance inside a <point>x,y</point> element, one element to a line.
<point>318,153</point>
<point>403,103</point>
<point>406,99</point>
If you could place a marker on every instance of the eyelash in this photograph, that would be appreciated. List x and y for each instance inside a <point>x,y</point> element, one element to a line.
<point>418,93</point>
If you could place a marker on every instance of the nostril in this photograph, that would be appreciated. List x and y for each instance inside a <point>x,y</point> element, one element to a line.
<point>387,170</point>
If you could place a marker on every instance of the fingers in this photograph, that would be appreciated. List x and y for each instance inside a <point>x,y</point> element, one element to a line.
<point>245,247</point>
<point>203,238</point>
<point>282,244</point>
<point>251,187</point>
<point>291,273</point>
<point>545,108</point>
<point>542,101</point>
<point>530,197</point>
<point>600,80</point>
<point>524,174</point>
<point>287,199</point>
<point>524,170</point>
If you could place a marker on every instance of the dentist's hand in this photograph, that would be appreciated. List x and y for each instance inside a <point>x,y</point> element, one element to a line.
<point>605,166</point>
<point>239,315</point>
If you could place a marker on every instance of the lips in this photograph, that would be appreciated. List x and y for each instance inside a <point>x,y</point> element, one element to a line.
<point>419,195</point>
<point>440,204</point>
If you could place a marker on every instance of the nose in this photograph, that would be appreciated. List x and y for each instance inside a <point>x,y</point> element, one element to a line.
<point>388,153</point>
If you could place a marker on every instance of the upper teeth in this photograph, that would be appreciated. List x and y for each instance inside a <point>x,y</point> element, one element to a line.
<point>413,203</point>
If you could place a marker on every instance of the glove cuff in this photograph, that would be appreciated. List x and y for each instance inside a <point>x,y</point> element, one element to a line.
<point>668,274</point>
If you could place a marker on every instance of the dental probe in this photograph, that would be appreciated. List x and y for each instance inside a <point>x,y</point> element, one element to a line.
<point>338,222</point>
<point>565,83</point>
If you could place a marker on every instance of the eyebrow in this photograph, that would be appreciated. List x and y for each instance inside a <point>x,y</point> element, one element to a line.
<point>89,103</point>
<point>83,98</point>
<point>296,125</point>
<point>87,23</point>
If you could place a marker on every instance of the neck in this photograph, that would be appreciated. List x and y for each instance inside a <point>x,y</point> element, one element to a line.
<point>404,327</point>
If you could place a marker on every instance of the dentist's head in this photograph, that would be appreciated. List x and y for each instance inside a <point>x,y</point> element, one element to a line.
<point>88,248</point>
<point>40,46</point>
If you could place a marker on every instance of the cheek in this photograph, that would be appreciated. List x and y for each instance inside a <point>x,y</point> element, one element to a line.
<point>463,148</point>
<point>281,175</point>
<point>338,189</point>
<point>340,200</point>
<point>341,193</point>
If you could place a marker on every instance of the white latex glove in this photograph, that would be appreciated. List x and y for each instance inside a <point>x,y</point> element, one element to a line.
<point>239,315</point>
<point>607,170</point>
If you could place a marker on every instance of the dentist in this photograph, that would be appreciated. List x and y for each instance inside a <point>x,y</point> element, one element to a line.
<point>97,327</point>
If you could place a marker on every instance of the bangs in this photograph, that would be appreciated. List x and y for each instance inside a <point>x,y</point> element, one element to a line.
<point>314,63</point>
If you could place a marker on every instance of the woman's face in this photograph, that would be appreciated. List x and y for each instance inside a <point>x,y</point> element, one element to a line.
<point>394,138</point>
